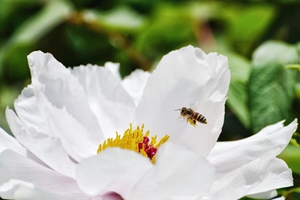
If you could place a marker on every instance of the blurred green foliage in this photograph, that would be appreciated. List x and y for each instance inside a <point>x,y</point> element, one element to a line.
<point>260,38</point>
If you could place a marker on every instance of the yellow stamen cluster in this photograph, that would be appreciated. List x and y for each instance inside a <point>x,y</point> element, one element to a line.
<point>135,140</point>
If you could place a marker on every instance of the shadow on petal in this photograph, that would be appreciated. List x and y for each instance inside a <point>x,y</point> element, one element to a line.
<point>112,196</point>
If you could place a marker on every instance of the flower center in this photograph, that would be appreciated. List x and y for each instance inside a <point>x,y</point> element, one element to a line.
<point>135,140</point>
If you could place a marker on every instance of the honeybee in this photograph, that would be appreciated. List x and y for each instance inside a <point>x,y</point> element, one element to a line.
<point>191,116</point>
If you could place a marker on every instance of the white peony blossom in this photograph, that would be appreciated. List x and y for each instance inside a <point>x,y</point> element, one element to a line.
<point>65,145</point>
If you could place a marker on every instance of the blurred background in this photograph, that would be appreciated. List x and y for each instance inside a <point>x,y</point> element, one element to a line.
<point>260,37</point>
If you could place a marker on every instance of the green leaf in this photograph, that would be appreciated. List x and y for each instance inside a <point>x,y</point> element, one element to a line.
<point>237,94</point>
<point>169,28</point>
<point>291,155</point>
<point>292,194</point>
<point>32,30</point>
<point>7,96</point>
<point>271,85</point>
<point>121,19</point>
<point>9,9</point>
<point>53,14</point>
<point>297,90</point>
<point>246,24</point>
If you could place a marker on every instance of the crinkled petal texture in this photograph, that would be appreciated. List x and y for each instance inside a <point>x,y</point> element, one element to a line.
<point>64,114</point>
<point>110,102</point>
<point>178,174</point>
<point>33,180</point>
<point>250,166</point>
<point>184,78</point>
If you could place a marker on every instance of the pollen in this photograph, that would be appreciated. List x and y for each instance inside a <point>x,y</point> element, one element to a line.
<point>135,140</point>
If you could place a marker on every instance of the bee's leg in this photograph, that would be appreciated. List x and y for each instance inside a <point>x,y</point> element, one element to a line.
<point>192,122</point>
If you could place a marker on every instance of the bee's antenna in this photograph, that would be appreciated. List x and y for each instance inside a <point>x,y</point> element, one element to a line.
<point>177,109</point>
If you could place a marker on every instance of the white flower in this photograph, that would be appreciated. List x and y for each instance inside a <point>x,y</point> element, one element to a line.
<point>65,114</point>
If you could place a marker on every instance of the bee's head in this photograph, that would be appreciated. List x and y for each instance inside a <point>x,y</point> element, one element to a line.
<point>183,111</point>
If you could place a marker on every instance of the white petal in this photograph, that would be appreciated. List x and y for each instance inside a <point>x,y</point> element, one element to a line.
<point>113,170</point>
<point>53,81</point>
<point>267,175</point>
<point>75,138</point>
<point>261,175</point>
<point>268,143</point>
<point>227,187</point>
<point>247,165</point>
<point>135,83</point>
<point>46,148</point>
<point>15,166</point>
<point>177,174</point>
<point>27,108</point>
<point>107,98</point>
<point>186,77</point>
<point>114,68</point>
<point>15,189</point>
<point>8,142</point>
<point>37,112</point>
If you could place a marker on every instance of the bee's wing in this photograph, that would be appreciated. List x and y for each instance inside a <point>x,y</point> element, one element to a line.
<point>182,119</point>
